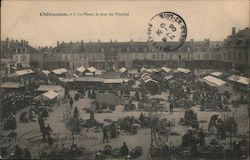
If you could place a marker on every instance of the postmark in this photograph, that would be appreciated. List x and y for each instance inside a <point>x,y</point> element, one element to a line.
<point>167,31</point>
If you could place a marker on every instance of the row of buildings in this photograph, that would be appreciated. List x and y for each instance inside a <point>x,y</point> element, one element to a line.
<point>232,53</point>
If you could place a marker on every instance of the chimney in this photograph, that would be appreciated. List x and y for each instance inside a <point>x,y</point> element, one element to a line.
<point>131,40</point>
<point>8,42</point>
<point>208,42</point>
<point>99,41</point>
<point>58,43</point>
<point>233,31</point>
<point>191,43</point>
<point>22,42</point>
<point>111,41</point>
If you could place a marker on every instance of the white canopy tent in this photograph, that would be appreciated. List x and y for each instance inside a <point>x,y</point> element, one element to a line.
<point>56,88</point>
<point>115,81</point>
<point>216,74</point>
<point>166,69</point>
<point>81,69</point>
<point>75,75</point>
<point>92,69</point>
<point>49,95</point>
<point>67,79</point>
<point>143,70</point>
<point>168,77</point>
<point>11,85</point>
<point>24,72</point>
<point>183,70</point>
<point>150,80</point>
<point>122,70</point>
<point>239,79</point>
<point>145,74</point>
<point>145,78</point>
<point>214,81</point>
<point>59,71</point>
<point>46,72</point>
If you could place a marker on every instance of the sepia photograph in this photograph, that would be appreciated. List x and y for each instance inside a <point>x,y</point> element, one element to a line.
<point>125,80</point>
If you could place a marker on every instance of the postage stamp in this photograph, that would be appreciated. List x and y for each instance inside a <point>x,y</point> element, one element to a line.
<point>167,31</point>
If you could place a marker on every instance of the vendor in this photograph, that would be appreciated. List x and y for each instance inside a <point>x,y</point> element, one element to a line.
<point>124,150</point>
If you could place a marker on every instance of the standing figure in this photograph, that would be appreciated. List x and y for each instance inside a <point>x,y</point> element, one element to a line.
<point>124,150</point>
<point>105,134</point>
<point>71,102</point>
<point>171,108</point>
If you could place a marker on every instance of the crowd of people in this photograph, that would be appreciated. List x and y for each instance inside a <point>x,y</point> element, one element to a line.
<point>13,101</point>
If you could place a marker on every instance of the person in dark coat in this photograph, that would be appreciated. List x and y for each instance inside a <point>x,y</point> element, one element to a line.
<point>113,130</point>
<point>18,152</point>
<point>201,135</point>
<point>27,154</point>
<point>171,108</point>
<point>48,131</point>
<point>71,102</point>
<point>105,134</point>
<point>124,150</point>
<point>50,141</point>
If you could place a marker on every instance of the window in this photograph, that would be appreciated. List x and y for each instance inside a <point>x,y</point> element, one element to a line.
<point>198,57</point>
<point>66,58</point>
<point>162,56</point>
<point>153,56</point>
<point>136,56</point>
<point>84,57</point>
<point>206,56</point>
<point>240,56</point>
<point>24,58</point>
<point>128,49</point>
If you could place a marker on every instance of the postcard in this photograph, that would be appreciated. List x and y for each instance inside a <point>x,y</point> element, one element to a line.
<point>133,79</point>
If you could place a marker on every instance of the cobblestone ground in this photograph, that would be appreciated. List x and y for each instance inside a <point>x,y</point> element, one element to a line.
<point>29,135</point>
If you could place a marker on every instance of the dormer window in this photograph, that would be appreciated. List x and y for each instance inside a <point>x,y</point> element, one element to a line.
<point>128,49</point>
<point>102,50</point>
<point>136,49</point>
<point>153,56</point>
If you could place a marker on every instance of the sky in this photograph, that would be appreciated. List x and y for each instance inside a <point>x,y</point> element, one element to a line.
<point>205,19</point>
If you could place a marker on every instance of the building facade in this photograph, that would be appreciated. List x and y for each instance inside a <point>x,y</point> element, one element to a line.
<point>114,55</point>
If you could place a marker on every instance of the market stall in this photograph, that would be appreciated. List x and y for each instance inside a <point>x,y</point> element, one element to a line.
<point>217,74</point>
<point>10,86</point>
<point>81,70</point>
<point>56,88</point>
<point>59,71</point>
<point>239,82</point>
<point>49,97</point>
<point>89,82</point>
<point>123,72</point>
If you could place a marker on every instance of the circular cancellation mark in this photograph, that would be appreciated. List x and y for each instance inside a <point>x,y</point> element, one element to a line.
<point>167,31</point>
